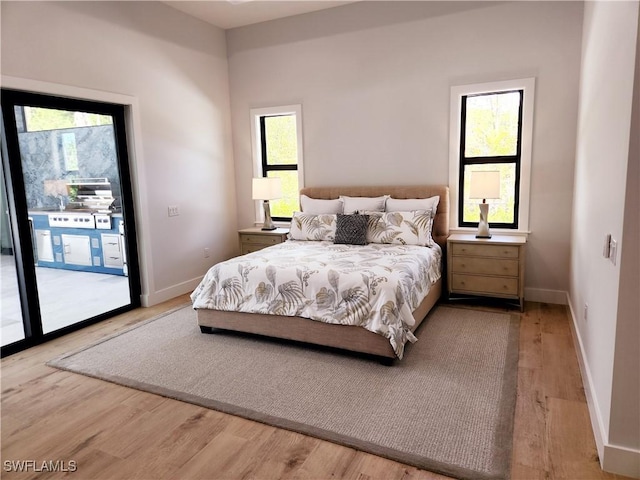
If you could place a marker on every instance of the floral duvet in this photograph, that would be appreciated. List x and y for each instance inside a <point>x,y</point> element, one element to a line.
<point>376,286</point>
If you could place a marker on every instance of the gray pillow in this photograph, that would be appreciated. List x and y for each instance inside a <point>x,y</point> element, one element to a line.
<point>320,207</point>
<point>360,204</point>
<point>410,204</point>
<point>351,229</point>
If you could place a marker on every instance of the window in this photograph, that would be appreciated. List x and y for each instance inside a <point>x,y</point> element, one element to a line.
<point>277,152</point>
<point>35,119</point>
<point>491,129</point>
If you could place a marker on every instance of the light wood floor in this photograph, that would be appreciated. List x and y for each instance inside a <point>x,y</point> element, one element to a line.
<point>120,433</point>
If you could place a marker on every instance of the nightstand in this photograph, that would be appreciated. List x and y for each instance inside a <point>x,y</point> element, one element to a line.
<point>489,267</point>
<point>254,239</point>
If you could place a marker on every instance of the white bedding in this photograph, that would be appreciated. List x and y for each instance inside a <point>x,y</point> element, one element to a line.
<point>376,286</point>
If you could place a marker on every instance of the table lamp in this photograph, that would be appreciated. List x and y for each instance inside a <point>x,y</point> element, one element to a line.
<point>484,185</point>
<point>265,189</point>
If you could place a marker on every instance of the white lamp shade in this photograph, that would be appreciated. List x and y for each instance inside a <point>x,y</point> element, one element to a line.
<point>485,185</point>
<point>266,188</point>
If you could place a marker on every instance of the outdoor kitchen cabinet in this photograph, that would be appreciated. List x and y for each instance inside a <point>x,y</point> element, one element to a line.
<point>97,250</point>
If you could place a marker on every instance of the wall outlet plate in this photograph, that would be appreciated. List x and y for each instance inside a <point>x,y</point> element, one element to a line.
<point>613,251</point>
<point>173,210</point>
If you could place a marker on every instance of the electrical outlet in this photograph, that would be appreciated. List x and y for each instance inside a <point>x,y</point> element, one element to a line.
<point>173,210</point>
<point>586,312</point>
<point>207,253</point>
<point>613,251</point>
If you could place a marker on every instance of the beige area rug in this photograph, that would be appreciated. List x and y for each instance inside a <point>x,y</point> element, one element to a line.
<point>447,407</point>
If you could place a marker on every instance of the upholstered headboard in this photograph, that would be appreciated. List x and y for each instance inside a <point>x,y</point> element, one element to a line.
<point>441,221</point>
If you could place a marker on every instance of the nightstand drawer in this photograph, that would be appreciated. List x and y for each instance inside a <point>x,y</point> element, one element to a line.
<point>486,266</point>
<point>254,239</point>
<point>499,251</point>
<point>250,248</point>
<point>489,285</point>
<point>261,239</point>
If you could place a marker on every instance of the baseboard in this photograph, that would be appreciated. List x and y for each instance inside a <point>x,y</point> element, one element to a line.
<point>613,458</point>
<point>621,461</point>
<point>592,403</point>
<point>170,292</point>
<point>544,295</point>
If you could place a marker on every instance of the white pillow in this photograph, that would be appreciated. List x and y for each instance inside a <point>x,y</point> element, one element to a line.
<point>360,204</point>
<point>410,204</point>
<point>307,226</point>
<point>317,206</point>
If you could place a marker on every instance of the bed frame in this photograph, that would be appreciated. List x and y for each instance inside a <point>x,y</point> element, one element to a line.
<point>346,337</point>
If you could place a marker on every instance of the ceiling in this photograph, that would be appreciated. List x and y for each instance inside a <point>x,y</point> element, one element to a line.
<point>237,13</point>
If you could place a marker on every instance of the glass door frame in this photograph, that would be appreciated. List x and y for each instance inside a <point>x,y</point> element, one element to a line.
<point>19,218</point>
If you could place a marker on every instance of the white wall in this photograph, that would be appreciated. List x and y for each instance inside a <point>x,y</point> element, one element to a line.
<point>606,166</point>
<point>625,402</point>
<point>176,68</point>
<point>374,82</point>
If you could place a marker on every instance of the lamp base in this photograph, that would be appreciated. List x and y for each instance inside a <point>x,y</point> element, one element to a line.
<point>483,224</point>
<point>268,223</point>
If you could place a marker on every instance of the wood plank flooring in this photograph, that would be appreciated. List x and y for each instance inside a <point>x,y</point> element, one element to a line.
<point>114,432</point>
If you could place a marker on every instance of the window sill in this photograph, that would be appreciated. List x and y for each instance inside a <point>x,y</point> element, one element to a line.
<point>497,231</point>
<point>277,224</point>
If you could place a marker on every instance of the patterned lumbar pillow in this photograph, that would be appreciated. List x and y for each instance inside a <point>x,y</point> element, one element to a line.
<point>404,228</point>
<point>351,229</point>
<point>306,226</point>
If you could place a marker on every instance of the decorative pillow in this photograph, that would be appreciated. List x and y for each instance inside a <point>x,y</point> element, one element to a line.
<point>404,228</point>
<point>306,226</point>
<point>358,204</point>
<point>351,229</point>
<point>410,204</point>
<point>317,206</point>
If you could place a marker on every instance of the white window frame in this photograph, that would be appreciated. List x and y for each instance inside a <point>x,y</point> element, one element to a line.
<point>256,151</point>
<point>457,92</point>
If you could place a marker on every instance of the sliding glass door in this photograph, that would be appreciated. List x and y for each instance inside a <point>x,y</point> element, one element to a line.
<point>11,325</point>
<point>70,212</point>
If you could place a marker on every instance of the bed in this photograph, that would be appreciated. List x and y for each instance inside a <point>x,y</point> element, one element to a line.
<point>346,337</point>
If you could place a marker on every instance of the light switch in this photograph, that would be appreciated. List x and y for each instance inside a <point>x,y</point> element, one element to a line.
<point>606,250</point>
